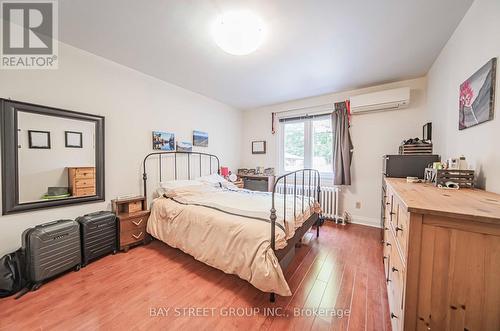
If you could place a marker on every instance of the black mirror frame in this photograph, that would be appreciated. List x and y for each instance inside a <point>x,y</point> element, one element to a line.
<point>10,170</point>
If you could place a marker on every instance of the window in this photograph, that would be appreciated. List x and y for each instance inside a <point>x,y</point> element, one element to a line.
<point>306,142</point>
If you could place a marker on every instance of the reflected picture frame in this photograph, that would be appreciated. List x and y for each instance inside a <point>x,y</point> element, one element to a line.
<point>73,139</point>
<point>38,139</point>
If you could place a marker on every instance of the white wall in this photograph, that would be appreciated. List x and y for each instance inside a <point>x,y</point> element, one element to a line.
<point>41,168</point>
<point>134,104</point>
<point>474,42</point>
<point>373,135</point>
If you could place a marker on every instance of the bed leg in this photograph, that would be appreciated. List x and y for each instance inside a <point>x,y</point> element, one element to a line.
<point>272,298</point>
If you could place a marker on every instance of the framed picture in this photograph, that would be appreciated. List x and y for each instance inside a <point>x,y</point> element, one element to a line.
<point>259,147</point>
<point>477,96</point>
<point>164,141</point>
<point>73,139</point>
<point>200,139</point>
<point>184,146</point>
<point>39,139</point>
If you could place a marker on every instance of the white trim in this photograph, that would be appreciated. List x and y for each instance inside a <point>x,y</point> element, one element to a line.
<point>368,221</point>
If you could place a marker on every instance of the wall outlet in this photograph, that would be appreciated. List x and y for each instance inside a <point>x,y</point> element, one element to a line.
<point>358,204</point>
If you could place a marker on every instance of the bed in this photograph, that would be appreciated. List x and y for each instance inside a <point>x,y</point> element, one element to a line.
<point>238,231</point>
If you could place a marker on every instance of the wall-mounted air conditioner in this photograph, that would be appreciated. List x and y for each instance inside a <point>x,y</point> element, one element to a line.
<point>381,101</point>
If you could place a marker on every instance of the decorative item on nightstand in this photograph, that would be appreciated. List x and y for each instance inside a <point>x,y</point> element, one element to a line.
<point>132,219</point>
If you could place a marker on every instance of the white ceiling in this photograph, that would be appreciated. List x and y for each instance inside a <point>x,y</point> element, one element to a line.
<point>313,46</point>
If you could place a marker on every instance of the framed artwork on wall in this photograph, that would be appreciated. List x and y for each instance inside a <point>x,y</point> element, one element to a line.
<point>39,139</point>
<point>259,147</point>
<point>200,138</point>
<point>163,141</point>
<point>184,146</point>
<point>73,139</point>
<point>477,96</point>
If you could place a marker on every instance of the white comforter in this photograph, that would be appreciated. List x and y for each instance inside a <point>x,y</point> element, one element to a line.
<point>229,230</point>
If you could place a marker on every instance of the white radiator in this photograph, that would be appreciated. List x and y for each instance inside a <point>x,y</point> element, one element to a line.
<point>329,198</point>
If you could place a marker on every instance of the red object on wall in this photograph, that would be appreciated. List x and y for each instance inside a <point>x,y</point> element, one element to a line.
<point>224,171</point>
<point>348,105</point>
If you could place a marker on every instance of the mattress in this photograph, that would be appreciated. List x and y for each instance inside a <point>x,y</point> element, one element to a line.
<point>229,229</point>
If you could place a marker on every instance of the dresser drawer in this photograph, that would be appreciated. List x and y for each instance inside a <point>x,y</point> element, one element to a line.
<point>84,173</point>
<point>395,290</point>
<point>402,228</point>
<point>78,192</point>
<point>88,182</point>
<point>133,224</point>
<point>132,236</point>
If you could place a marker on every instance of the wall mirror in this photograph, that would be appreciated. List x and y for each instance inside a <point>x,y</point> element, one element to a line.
<point>50,157</point>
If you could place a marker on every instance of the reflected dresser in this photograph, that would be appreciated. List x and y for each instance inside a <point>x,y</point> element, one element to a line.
<point>81,181</point>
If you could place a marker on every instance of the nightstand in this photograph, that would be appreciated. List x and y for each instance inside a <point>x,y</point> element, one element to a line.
<point>132,219</point>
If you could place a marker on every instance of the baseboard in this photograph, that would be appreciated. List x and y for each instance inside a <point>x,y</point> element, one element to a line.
<point>368,221</point>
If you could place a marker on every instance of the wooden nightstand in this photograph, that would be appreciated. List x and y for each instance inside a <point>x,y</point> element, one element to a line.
<point>132,219</point>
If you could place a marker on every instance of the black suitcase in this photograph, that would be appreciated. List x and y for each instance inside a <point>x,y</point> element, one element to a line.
<point>51,249</point>
<point>99,235</point>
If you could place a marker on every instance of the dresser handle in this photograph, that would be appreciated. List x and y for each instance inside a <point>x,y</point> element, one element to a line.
<point>388,244</point>
<point>138,236</point>
<point>393,316</point>
<point>137,223</point>
<point>388,203</point>
<point>394,269</point>
<point>399,229</point>
<point>392,213</point>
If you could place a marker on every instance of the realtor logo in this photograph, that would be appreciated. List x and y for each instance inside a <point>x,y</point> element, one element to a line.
<point>29,35</point>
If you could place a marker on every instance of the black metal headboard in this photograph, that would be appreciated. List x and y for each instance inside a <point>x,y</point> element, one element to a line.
<point>212,159</point>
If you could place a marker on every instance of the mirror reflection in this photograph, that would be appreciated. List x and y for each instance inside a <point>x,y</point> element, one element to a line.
<point>56,157</point>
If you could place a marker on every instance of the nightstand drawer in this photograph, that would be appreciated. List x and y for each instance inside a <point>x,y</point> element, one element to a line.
<point>132,224</point>
<point>81,183</point>
<point>78,192</point>
<point>84,173</point>
<point>132,236</point>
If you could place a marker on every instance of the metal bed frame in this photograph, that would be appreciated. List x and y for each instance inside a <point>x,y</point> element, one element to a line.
<point>311,175</point>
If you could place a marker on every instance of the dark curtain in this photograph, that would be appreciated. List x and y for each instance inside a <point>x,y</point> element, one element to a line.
<point>342,145</point>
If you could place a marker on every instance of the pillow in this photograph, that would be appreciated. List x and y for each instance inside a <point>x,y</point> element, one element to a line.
<point>172,184</point>
<point>212,179</point>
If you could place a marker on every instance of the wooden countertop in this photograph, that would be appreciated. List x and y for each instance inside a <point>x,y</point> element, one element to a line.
<point>423,198</point>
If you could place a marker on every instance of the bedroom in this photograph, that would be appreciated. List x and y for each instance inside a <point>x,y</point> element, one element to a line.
<point>123,79</point>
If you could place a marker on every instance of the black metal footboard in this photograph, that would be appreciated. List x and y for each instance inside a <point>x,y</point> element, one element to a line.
<point>309,186</point>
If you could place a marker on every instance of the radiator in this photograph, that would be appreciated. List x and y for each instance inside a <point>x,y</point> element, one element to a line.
<point>328,199</point>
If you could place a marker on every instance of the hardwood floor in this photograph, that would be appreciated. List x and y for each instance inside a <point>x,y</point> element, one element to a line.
<point>337,283</point>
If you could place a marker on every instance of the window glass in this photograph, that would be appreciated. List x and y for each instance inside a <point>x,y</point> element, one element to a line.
<point>293,146</point>
<point>322,154</point>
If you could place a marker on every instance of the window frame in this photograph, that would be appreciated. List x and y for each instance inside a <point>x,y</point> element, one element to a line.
<point>308,142</point>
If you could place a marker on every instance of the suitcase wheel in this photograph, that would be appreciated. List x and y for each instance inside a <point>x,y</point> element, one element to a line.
<point>36,286</point>
<point>77,268</point>
<point>114,251</point>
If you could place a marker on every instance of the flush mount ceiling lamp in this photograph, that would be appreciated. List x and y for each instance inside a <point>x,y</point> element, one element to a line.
<point>238,32</point>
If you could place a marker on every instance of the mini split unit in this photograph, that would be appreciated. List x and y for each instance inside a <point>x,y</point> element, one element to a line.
<point>381,101</point>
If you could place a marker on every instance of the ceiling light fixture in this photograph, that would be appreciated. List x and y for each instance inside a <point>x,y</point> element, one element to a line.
<point>238,32</point>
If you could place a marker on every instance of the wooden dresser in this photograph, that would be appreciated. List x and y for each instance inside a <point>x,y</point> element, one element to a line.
<point>81,181</point>
<point>132,219</point>
<point>442,257</point>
